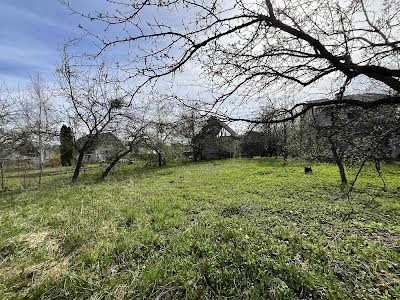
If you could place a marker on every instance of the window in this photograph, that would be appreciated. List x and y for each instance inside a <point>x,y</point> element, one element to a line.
<point>223,132</point>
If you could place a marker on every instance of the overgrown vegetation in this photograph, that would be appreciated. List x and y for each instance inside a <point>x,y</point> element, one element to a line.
<point>225,229</point>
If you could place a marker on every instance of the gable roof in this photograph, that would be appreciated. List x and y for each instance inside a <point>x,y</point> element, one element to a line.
<point>229,129</point>
<point>214,122</point>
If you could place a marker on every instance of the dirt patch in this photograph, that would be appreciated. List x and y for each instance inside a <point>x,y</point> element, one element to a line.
<point>264,173</point>
<point>230,211</point>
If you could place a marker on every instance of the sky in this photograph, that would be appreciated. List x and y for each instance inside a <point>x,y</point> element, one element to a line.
<point>32,33</point>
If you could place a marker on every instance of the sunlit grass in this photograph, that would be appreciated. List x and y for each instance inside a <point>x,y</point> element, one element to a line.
<point>225,229</point>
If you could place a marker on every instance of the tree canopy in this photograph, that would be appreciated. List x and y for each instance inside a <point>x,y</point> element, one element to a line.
<point>245,47</point>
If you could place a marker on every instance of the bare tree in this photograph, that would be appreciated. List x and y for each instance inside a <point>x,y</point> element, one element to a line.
<point>349,135</point>
<point>276,134</point>
<point>245,47</point>
<point>7,134</point>
<point>132,129</point>
<point>329,135</point>
<point>38,116</point>
<point>95,101</point>
<point>189,124</point>
<point>161,130</point>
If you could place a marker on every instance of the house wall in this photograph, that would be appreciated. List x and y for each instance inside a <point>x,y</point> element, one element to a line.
<point>220,147</point>
<point>217,141</point>
<point>395,147</point>
<point>323,117</point>
<point>90,158</point>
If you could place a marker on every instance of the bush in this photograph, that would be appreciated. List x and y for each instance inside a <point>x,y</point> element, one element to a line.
<point>55,161</point>
<point>150,159</point>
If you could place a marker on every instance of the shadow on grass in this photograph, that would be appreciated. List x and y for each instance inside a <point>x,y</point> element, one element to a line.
<point>138,170</point>
<point>91,176</point>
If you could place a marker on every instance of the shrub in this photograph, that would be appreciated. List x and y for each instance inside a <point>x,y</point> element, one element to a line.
<point>55,161</point>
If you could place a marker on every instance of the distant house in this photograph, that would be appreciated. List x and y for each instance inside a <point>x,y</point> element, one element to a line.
<point>25,147</point>
<point>324,117</point>
<point>103,148</point>
<point>50,151</point>
<point>216,140</point>
<point>323,114</point>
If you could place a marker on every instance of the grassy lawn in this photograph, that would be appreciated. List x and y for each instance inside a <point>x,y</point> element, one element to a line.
<point>243,229</point>
<point>47,171</point>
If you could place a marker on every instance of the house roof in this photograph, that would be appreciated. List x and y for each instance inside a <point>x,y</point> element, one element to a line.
<point>367,97</point>
<point>229,129</point>
<point>213,122</point>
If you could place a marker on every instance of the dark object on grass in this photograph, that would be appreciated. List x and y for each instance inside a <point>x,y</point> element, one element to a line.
<point>307,170</point>
<point>264,173</point>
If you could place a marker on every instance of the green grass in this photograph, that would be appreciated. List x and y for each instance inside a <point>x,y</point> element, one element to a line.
<point>28,178</point>
<point>243,229</point>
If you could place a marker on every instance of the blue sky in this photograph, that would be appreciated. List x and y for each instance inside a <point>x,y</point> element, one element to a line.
<point>32,32</point>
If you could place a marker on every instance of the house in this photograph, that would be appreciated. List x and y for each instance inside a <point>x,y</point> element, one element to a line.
<point>102,149</point>
<point>216,140</point>
<point>332,115</point>
<point>323,115</point>
<point>50,151</point>
<point>25,148</point>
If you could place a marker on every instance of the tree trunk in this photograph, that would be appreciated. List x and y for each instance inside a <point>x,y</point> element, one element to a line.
<point>41,150</point>
<point>113,163</point>
<point>160,162</point>
<point>338,161</point>
<point>194,153</point>
<point>2,175</point>
<point>78,166</point>
<point>41,162</point>
<point>285,145</point>
<point>82,151</point>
